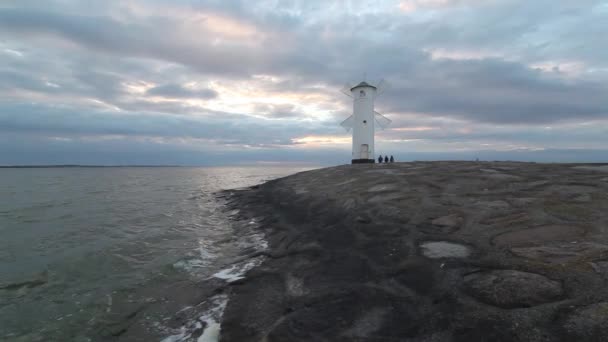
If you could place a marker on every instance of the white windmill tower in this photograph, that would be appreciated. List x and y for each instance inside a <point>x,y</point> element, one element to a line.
<point>364,119</point>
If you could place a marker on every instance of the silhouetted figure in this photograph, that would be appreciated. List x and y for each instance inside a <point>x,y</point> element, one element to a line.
<point>380,159</point>
<point>386,159</point>
<point>392,159</point>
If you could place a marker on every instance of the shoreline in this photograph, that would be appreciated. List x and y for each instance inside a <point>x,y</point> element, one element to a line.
<point>427,251</point>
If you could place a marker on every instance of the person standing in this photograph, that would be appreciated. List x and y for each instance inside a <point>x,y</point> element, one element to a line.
<point>392,159</point>
<point>386,159</point>
<point>380,159</point>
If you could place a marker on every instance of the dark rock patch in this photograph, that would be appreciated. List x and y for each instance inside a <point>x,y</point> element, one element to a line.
<point>561,252</point>
<point>449,223</point>
<point>540,235</point>
<point>512,289</point>
<point>589,323</point>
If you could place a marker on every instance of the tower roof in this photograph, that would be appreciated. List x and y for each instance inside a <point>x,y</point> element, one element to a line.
<point>363,84</point>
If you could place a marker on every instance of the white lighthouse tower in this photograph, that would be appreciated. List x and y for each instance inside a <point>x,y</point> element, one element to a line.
<point>364,120</point>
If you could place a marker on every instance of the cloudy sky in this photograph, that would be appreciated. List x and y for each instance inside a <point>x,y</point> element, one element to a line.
<point>216,82</point>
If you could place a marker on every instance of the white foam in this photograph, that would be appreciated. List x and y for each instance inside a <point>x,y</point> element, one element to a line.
<point>203,258</point>
<point>237,271</point>
<point>182,336</point>
<point>211,333</point>
<point>212,318</point>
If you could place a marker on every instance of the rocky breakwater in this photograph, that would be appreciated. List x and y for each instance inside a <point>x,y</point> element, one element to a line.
<point>427,251</point>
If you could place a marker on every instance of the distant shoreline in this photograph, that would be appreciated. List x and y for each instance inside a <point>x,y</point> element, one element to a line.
<point>75,166</point>
<point>158,166</point>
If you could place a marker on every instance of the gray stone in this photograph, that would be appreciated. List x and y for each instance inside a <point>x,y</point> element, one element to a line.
<point>382,187</point>
<point>444,249</point>
<point>540,235</point>
<point>450,221</point>
<point>561,252</point>
<point>512,289</point>
<point>589,323</point>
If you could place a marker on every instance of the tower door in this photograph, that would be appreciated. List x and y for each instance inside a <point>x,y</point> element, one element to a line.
<point>365,151</point>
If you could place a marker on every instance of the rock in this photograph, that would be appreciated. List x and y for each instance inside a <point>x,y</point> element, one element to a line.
<point>512,289</point>
<point>589,323</point>
<point>502,177</point>
<point>392,242</point>
<point>382,187</point>
<point>561,252</point>
<point>600,168</point>
<point>540,235</point>
<point>363,219</point>
<point>495,205</point>
<point>450,221</point>
<point>584,198</point>
<point>349,204</point>
<point>300,191</point>
<point>512,219</point>
<point>391,196</point>
<point>367,324</point>
<point>295,286</point>
<point>523,201</point>
<point>600,267</point>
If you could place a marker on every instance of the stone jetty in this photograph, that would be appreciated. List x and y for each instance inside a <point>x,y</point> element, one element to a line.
<point>427,251</point>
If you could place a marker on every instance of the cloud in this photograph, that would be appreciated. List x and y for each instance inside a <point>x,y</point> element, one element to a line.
<point>177,91</point>
<point>257,77</point>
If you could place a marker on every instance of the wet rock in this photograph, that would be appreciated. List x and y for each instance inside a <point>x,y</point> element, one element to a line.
<point>495,205</point>
<point>512,289</point>
<point>503,177</point>
<point>568,211</point>
<point>584,198</point>
<point>363,219</point>
<point>539,235</point>
<point>589,323</point>
<point>450,221</point>
<point>561,252</point>
<point>368,323</point>
<point>600,267</point>
<point>507,220</point>
<point>382,187</point>
<point>295,286</point>
<point>523,201</point>
<point>386,197</point>
<point>444,249</point>
<point>387,265</point>
<point>300,191</point>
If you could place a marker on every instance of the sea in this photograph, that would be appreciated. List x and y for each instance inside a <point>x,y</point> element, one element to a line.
<point>79,243</point>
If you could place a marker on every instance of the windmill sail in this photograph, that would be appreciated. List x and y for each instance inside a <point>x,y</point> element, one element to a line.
<point>348,123</point>
<point>346,90</point>
<point>382,87</point>
<point>382,120</point>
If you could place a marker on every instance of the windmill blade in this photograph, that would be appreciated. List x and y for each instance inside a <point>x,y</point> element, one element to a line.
<point>382,120</point>
<point>346,90</point>
<point>348,123</point>
<point>382,87</point>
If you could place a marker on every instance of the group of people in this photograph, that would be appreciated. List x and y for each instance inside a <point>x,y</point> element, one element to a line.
<point>385,159</point>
